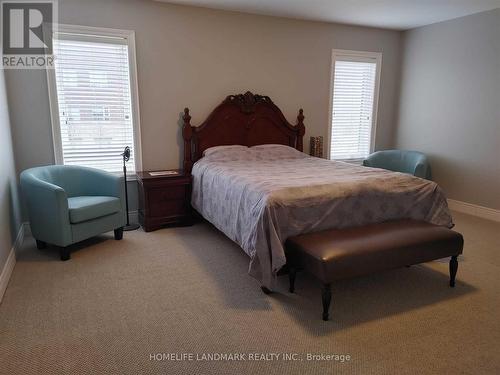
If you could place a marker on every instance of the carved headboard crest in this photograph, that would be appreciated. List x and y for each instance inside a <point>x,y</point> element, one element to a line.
<point>247,101</point>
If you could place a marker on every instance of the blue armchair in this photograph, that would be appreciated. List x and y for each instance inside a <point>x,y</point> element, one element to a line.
<point>68,204</point>
<point>411,162</point>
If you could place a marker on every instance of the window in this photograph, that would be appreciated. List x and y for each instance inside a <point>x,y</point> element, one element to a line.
<point>354,96</point>
<point>93,95</point>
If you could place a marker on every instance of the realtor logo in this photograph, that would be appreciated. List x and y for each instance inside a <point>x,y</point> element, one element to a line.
<point>27,29</point>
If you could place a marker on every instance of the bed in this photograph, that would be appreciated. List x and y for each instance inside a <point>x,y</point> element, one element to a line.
<point>252,181</point>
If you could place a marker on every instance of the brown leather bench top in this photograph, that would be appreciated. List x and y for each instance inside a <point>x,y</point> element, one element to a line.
<point>342,253</point>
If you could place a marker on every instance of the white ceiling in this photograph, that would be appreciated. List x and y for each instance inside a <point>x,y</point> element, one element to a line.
<point>391,14</point>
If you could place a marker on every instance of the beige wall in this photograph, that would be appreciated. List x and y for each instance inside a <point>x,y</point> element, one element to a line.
<point>450,104</point>
<point>10,219</point>
<point>195,57</point>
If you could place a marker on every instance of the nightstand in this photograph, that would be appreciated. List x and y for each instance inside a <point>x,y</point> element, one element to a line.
<point>164,199</point>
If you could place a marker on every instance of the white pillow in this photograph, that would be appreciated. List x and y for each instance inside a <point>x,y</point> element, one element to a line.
<point>218,150</point>
<point>271,145</point>
<point>276,152</point>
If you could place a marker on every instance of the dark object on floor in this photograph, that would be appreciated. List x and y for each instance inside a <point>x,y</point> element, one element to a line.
<point>64,253</point>
<point>343,253</point>
<point>119,233</point>
<point>40,245</point>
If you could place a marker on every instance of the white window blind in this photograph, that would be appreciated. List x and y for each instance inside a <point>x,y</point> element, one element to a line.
<point>355,83</point>
<point>94,100</point>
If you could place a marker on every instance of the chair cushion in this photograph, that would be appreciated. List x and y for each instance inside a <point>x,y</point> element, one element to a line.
<point>91,207</point>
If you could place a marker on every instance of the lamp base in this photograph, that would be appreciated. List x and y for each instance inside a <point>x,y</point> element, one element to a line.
<point>131,226</point>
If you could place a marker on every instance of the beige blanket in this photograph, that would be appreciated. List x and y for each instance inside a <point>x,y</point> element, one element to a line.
<point>261,196</point>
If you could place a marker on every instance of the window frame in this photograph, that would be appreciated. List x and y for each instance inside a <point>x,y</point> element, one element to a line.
<point>358,56</point>
<point>88,33</point>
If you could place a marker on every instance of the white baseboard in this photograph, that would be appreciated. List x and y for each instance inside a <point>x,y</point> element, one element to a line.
<point>475,210</point>
<point>11,260</point>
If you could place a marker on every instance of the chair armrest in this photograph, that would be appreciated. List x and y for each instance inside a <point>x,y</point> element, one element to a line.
<point>423,170</point>
<point>48,210</point>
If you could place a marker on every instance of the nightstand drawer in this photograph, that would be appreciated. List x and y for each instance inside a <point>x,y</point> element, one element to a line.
<point>158,195</point>
<point>168,208</point>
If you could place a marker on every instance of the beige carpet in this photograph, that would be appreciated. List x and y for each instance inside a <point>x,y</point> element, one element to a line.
<point>185,290</point>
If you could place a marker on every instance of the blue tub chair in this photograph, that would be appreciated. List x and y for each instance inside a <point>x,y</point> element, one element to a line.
<point>411,162</point>
<point>68,204</point>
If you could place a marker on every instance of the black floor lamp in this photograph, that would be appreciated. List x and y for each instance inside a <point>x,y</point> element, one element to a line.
<point>126,158</point>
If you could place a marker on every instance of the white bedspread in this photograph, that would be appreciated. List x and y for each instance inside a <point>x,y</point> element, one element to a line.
<point>261,196</point>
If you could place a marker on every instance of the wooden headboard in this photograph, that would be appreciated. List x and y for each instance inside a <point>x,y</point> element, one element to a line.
<point>245,119</point>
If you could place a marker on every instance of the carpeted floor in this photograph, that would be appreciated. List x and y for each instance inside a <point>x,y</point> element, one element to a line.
<point>185,290</point>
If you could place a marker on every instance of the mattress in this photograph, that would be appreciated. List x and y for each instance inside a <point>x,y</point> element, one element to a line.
<point>260,196</point>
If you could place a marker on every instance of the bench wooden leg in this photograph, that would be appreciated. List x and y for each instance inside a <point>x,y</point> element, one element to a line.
<point>292,272</point>
<point>453,270</point>
<point>326,296</point>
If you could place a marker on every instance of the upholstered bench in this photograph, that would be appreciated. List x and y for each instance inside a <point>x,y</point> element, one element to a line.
<point>343,253</point>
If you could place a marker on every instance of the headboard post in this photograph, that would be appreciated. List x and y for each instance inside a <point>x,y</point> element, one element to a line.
<point>301,130</point>
<point>187,134</point>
